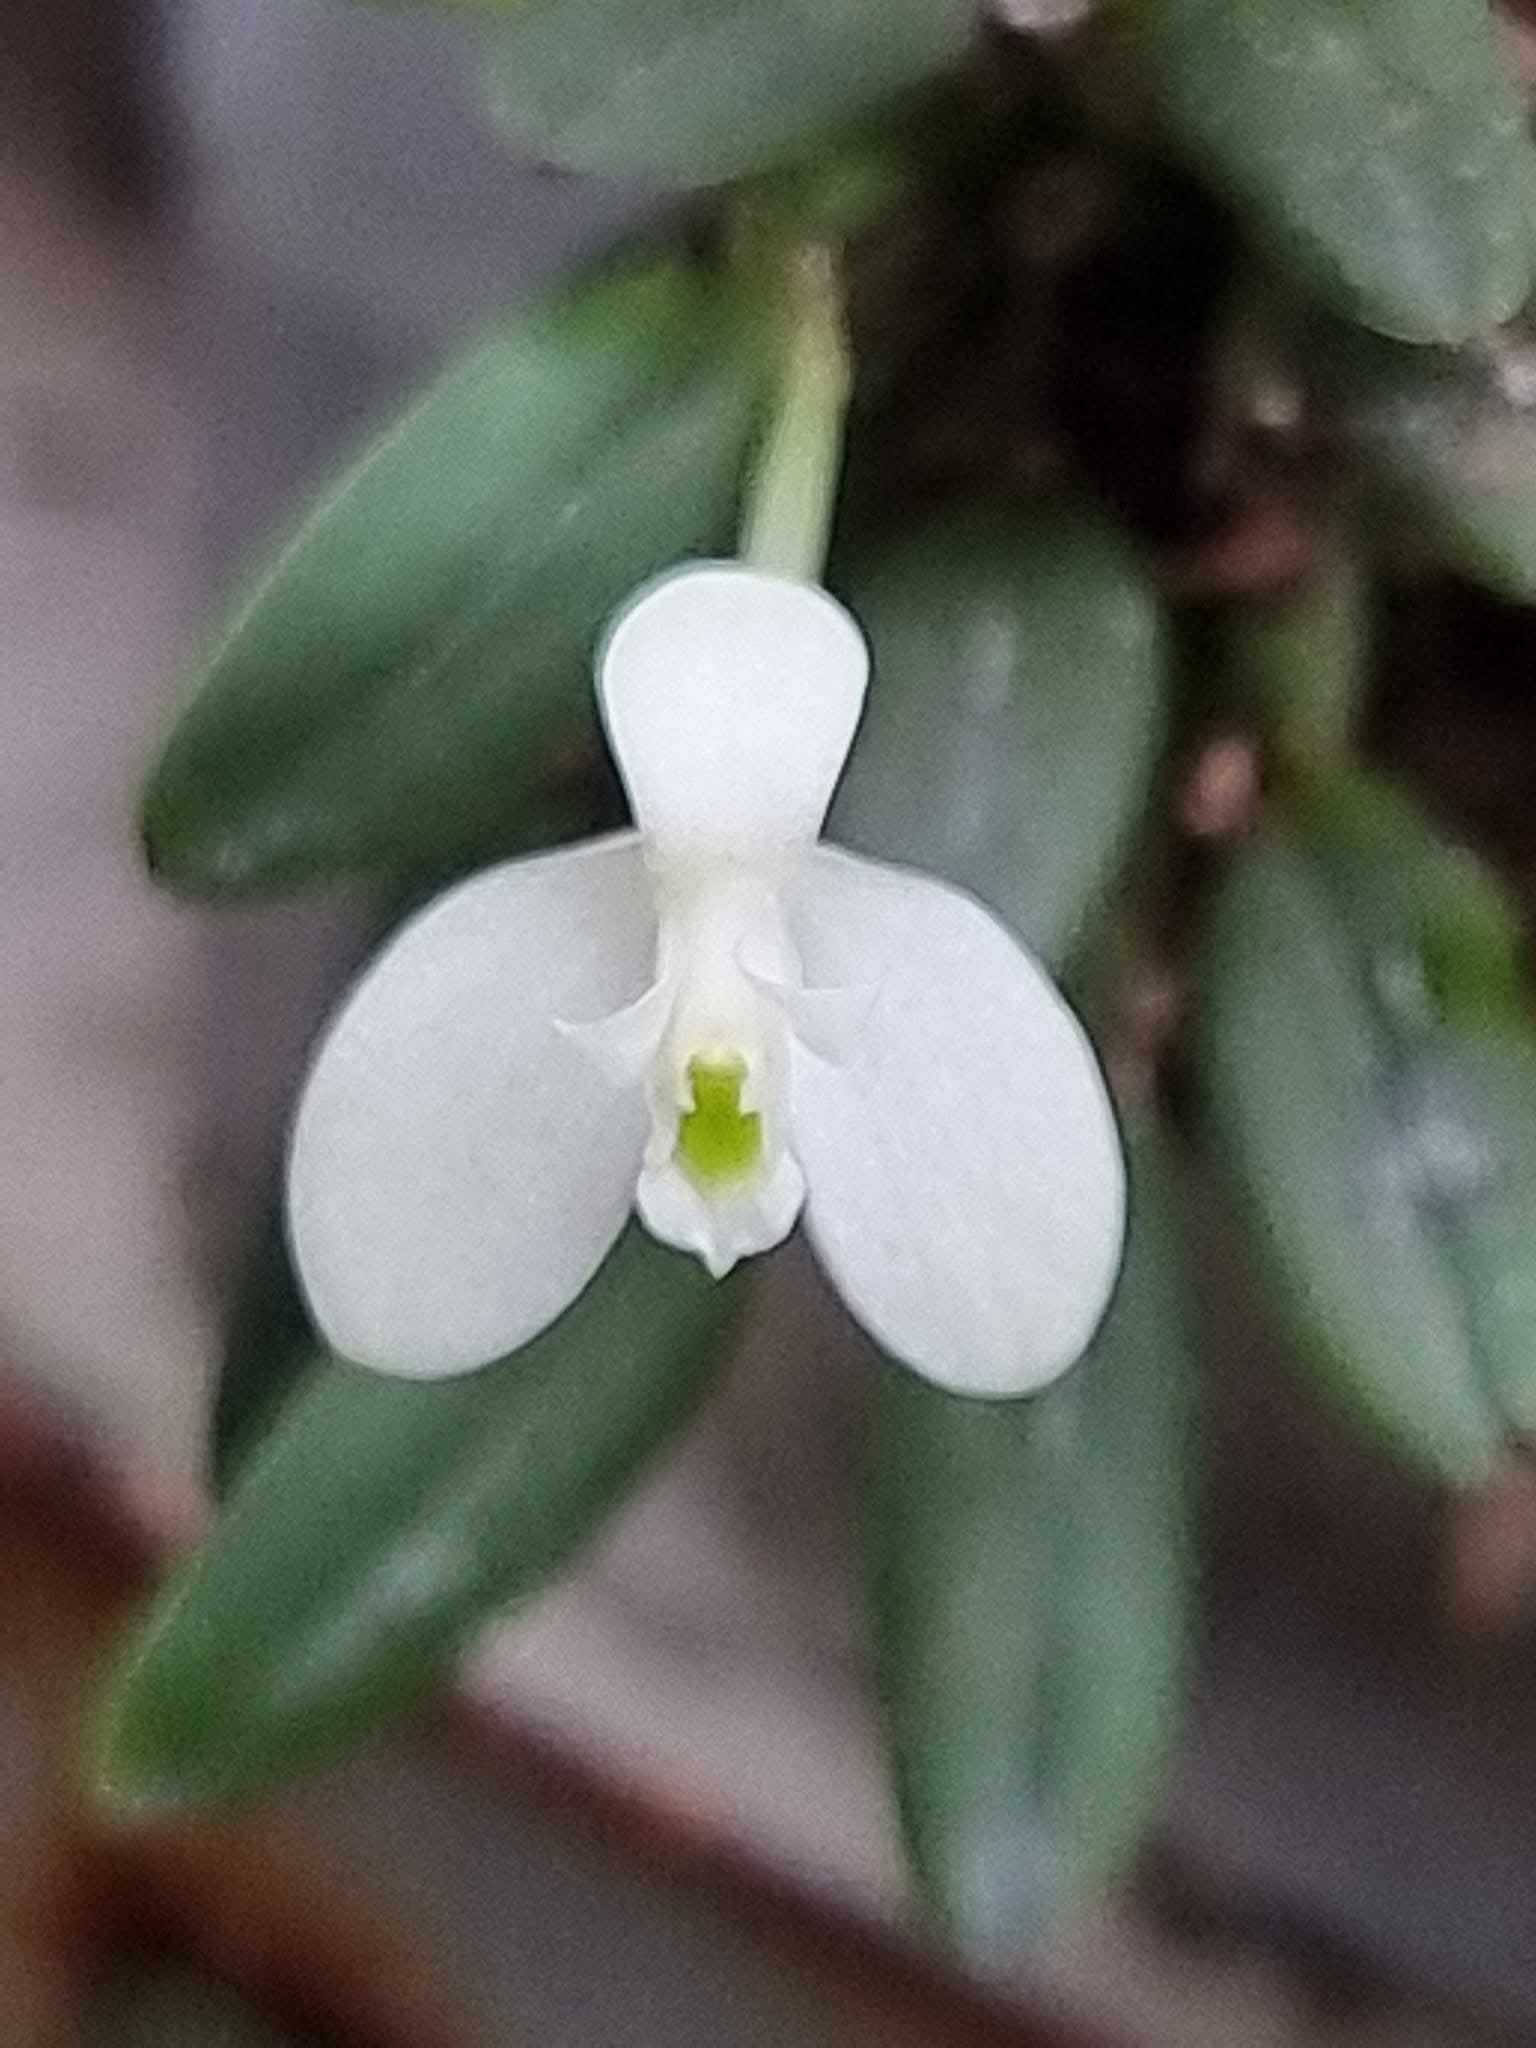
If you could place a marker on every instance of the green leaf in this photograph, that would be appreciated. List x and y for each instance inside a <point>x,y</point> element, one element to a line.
<point>1449,438</point>
<point>1371,1079</point>
<point>383,1521</point>
<point>1298,665</point>
<point>1032,1589</point>
<point>498,7</point>
<point>1378,146</point>
<point>867,173</point>
<point>690,92</point>
<point>151,2003</point>
<point>270,1347</point>
<point>1017,714</point>
<point>391,692</point>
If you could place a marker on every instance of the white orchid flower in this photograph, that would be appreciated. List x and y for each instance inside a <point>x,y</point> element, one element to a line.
<point>720,1021</point>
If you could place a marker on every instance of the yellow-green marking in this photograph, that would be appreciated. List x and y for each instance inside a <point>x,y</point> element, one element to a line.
<point>717,1140</point>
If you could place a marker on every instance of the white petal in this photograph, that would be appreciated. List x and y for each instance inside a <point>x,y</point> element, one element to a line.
<point>966,1188</point>
<point>827,1021</point>
<point>624,1043</point>
<point>730,698</point>
<point>459,1167</point>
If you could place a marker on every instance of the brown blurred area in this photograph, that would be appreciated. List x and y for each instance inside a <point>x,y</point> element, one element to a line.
<point>291,1925</point>
<point>73,98</point>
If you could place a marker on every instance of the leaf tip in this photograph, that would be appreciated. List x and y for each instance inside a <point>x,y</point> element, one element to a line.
<point>190,859</point>
<point>125,1790</point>
<point>130,1805</point>
<point>170,852</point>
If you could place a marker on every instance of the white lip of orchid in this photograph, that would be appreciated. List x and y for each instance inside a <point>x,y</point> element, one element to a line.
<point>721,1022</point>
<point>710,1044</point>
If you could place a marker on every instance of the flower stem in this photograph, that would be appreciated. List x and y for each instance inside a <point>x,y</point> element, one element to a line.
<point>792,492</point>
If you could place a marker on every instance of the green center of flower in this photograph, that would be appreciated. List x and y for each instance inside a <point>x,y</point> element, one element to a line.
<point>717,1140</point>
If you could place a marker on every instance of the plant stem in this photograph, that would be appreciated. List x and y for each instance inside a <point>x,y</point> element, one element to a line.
<point>792,493</point>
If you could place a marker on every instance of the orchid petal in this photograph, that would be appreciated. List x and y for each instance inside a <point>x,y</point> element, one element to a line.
<point>827,1021</point>
<point>965,1185</point>
<point>624,1043</point>
<point>730,698</point>
<point>459,1167</point>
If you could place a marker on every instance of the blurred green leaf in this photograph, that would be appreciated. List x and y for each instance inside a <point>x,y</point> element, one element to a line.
<point>502,7</point>
<point>390,694</point>
<point>1018,711</point>
<point>1032,1590</point>
<point>383,1521</point>
<point>690,92</point>
<point>1298,665</point>
<point>270,1347</point>
<point>866,172</point>
<point>1450,438</point>
<point>1379,146</point>
<point>1371,1078</point>
<point>154,2005</point>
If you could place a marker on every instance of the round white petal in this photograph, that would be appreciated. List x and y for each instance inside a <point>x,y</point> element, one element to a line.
<point>459,1167</point>
<point>730,698</point>
<point>965,1183</point>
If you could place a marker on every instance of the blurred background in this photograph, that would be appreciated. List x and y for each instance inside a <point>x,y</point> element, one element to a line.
<point>230,230</point>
